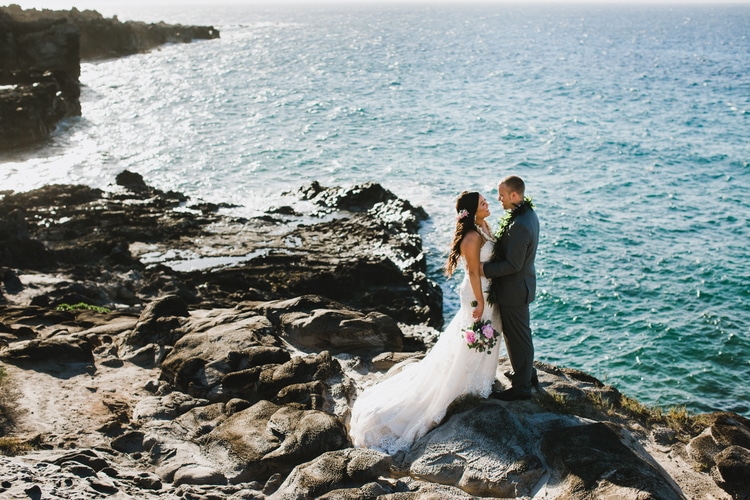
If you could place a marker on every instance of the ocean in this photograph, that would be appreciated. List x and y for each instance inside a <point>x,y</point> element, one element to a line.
<point>630,125</point>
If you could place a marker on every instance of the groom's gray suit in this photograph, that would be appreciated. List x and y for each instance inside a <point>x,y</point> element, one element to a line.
<point>513,288</point>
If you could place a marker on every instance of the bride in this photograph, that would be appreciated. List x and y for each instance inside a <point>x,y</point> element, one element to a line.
<point>393,414</point>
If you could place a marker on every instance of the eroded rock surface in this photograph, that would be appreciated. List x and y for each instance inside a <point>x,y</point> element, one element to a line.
<point>236,382</point>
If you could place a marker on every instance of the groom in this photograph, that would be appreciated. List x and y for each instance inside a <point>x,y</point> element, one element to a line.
<point>513,283</point>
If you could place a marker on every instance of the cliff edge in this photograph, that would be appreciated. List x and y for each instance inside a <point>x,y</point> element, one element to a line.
<point>40,55</point>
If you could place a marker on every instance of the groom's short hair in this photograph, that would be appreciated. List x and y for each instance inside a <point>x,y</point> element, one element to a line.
<point>515,184</point>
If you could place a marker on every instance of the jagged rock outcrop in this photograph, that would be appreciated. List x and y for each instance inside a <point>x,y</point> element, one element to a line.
<point>369,260</point>
<point>102,37</point>
<point>40,54</point>
<point>37,101</point>
<point>192,386</point>
<point>37,43</point>
<point>39,70</point>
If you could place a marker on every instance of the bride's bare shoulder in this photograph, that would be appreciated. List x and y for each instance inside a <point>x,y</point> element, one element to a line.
<point>471,240</point>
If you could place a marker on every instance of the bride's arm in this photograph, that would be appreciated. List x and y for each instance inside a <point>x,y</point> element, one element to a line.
<point>471,244</point>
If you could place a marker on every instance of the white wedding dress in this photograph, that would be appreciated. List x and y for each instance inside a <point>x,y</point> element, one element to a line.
<point>412,399</point>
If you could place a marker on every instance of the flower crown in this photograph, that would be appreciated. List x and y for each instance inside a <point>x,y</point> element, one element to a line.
<point>463,213</point>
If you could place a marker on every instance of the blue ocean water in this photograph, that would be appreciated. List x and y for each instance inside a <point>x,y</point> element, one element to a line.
<point>631,126</point>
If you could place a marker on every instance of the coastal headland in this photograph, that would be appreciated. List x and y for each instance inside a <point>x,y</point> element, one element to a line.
<point>40,55</point>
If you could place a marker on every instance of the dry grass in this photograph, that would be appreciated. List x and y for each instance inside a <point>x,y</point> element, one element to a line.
<point>555,402</point>
<point>11,446</point>
<point>611,405</point>
<point>676,418</point>
<point>7,403</point>
<point>4,403</point>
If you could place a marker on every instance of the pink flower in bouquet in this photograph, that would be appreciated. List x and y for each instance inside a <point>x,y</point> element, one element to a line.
<point>470,336</point>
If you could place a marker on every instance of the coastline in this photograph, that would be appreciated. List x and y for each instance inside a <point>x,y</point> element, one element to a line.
<point>178,383</point>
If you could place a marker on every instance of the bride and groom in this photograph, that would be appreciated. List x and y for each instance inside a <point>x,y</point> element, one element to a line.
<point>498,286</point>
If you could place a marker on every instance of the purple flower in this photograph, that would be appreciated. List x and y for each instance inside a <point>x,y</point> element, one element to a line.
<point>470,336</point>
<point>488,331</point>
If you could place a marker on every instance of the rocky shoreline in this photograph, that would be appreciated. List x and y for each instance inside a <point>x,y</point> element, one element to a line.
<point>155,346</point>
<point>40,58</point>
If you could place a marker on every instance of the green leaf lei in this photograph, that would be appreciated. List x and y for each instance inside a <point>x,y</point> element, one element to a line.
<point>505,222</point>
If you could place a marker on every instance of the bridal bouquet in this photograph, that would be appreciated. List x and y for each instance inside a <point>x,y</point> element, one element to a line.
<point>480,335</point>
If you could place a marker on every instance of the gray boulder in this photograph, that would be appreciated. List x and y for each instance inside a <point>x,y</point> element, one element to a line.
<point>485,451</point>
<point>267,438</point>
<point>201,359</point>
<point>60,349</point>
<point>342,331</point>
<point>334,470</point>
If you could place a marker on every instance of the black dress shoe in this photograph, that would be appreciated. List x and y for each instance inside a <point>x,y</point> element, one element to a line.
<point>534,378</point>
<point>511,395</point>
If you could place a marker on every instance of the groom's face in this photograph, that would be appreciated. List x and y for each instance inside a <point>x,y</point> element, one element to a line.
<point>505,196</point>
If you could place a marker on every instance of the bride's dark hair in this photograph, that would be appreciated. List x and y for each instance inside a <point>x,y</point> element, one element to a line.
<point>466,211</point>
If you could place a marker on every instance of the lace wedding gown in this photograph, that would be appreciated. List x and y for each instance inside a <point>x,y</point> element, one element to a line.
<point>412,399</point>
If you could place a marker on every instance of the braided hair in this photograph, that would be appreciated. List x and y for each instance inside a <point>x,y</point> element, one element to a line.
<point>466,210</point>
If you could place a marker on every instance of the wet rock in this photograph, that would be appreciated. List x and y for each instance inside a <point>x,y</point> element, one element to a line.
<point>132,181</point>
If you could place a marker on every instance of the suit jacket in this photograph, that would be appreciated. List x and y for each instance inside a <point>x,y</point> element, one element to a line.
<point>511,268</point>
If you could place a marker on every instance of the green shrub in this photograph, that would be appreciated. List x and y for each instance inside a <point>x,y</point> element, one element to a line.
<point>82,306</point>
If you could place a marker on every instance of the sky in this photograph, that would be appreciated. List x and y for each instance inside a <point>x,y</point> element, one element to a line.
<point>93,4</point>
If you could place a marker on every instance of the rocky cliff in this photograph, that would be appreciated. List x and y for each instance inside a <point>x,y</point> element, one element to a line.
<point>40,54</point>
<point>152,347</point>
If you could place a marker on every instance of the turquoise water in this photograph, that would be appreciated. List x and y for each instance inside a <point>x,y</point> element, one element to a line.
<point>630,125</point>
